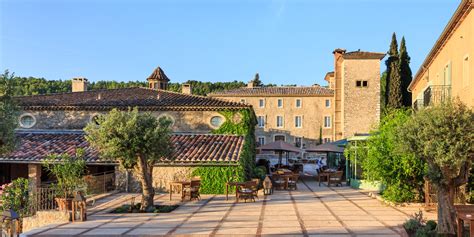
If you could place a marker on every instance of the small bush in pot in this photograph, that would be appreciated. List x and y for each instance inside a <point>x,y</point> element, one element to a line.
<point>69,171</point>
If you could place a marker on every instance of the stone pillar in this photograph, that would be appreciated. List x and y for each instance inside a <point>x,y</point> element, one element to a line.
<point>34,175</point>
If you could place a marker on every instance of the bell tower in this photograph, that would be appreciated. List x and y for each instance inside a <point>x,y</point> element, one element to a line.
<point>158,80</point>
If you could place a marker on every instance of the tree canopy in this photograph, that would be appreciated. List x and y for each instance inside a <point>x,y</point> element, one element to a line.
<point>8,113</point>
<point>442,136</point>
<point>136,140</point>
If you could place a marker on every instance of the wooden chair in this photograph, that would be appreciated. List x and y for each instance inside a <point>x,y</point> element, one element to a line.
<point>254,186</point>
<point>245,192</point>
<point>335,178</point>
<point>193,190</point>
<point>279,182</point>
<point>292,181</point>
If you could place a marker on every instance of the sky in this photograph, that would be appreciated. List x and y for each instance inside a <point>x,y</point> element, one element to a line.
<point>286,42</point>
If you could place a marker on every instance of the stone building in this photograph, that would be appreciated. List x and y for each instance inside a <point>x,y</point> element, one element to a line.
<point>447,70</point>
<point>54,123</point>
<point>349,104</point>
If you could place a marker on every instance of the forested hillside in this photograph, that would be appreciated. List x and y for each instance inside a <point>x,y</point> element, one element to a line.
<point>35,86</point>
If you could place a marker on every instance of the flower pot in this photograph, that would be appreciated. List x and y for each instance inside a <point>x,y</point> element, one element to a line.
<point>64,204</point>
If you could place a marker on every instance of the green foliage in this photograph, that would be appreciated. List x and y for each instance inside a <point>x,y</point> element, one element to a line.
<point>15,196</point>
<point>136,140</point>
<point>68,171</point>
<point>399,171</point>
<point>125,135</point>
<point>383,92</point>
<point>431,225</point>
<point>411,225</point>
<point>127,208</point>
<point>256,80</point>
<point>405,73</point>
<point>393,90</point>
<point>8,113</point>
<point>443,136</point>
<point>241,123</point>
<point>213,178</point>
<point>260,172</point>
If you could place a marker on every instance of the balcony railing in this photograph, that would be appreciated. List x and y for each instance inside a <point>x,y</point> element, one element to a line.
<point>436,95</point>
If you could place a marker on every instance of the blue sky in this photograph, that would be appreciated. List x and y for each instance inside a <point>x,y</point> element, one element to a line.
<point>287,42</point>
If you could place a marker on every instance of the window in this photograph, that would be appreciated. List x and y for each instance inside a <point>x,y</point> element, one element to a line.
<point>279,138</point>
<point>327,121</point>
<point>465,71</point>
<point>362,83</point>
<point>298,142</point>
<point>298,121</point>
<point>328,103</point>
<point>279,121</point>
<point>298,103</point>
<point>261,141</point>
<point>243,101</point>
<point>216,121</point>
<point>447,74</point>
<point>261,103</point>
<point>280,103</point>
<point>261,121</point>
<point>326,140</point>
<point>27,121</point>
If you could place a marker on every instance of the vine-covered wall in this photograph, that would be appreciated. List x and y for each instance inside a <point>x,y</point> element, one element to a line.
<point>214,177</point>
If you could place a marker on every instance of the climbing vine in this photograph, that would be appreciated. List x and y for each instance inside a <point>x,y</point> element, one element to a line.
<point>240,123</point>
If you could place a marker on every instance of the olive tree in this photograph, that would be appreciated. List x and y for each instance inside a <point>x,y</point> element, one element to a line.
<point>8,113</point>
<point>443,136</point>
<point>133,139</point>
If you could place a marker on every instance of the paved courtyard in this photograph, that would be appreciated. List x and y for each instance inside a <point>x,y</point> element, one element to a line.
<point>309,211</point>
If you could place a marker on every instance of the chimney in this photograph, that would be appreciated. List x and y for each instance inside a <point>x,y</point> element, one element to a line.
<point>79,84</point>
<point>187,89</point>
<point>251,84</point>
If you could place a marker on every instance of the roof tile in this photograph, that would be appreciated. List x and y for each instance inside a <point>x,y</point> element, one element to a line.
<point>277,91</point>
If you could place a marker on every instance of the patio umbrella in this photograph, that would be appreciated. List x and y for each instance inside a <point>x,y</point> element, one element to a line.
<point>280,147</point>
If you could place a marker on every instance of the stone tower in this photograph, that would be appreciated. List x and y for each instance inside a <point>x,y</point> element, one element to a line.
<point>158,80</point>
<point>357,92</point>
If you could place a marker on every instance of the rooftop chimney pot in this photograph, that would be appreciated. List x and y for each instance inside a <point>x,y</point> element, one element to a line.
<point>187,89</point>
<point>79,84</point>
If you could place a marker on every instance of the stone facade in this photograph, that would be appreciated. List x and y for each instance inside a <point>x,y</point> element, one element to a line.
<point>162,175</point>
<point>312,112</point>
<point>360,105</point>
<point>183,121</point>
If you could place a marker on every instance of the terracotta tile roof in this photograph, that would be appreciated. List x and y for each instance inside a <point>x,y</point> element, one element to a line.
<point>363,55</point>
<point>158,75</point>
<point>144,98</point>
<point>277,91</point>
<point>34,147</point>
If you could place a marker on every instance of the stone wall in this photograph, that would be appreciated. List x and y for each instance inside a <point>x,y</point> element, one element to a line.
<point>183,121</point>
<point>361,105</point>
<point>312,110</point>
<point>43,218</point>
<point>162,175</point>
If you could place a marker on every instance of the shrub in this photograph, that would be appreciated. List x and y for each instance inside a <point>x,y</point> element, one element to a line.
<point>399,171</point>
<point>68,171</point>
<point>412,225</point>
<point>260,172</point>
<point>431,225</point>
<point>15,196</point>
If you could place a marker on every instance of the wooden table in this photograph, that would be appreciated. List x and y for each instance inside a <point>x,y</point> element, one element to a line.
<point>236,184</point>
<point>181,185</point>
<point>465,217</point>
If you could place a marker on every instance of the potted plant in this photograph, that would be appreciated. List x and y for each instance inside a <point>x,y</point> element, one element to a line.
<point>69,171</point>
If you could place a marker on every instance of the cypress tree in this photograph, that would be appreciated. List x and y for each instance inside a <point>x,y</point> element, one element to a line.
<point>393,90</point>
<point>256,80</point>
<point>405,73</point>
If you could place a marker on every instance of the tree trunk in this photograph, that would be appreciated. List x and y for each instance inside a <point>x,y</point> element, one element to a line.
<point>148,193</point>
<point>446,212</point>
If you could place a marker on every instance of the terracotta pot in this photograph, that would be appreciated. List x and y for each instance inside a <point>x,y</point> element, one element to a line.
<point>64,204</point>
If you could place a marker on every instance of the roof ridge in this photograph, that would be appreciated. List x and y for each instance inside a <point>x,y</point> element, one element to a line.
<point>77,92</point>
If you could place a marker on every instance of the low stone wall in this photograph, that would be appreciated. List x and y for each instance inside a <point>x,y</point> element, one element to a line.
<point>43,218</point>
<point>162,175</point>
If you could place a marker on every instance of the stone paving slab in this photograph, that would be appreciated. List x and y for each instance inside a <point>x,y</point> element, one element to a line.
<point>311,210</point>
